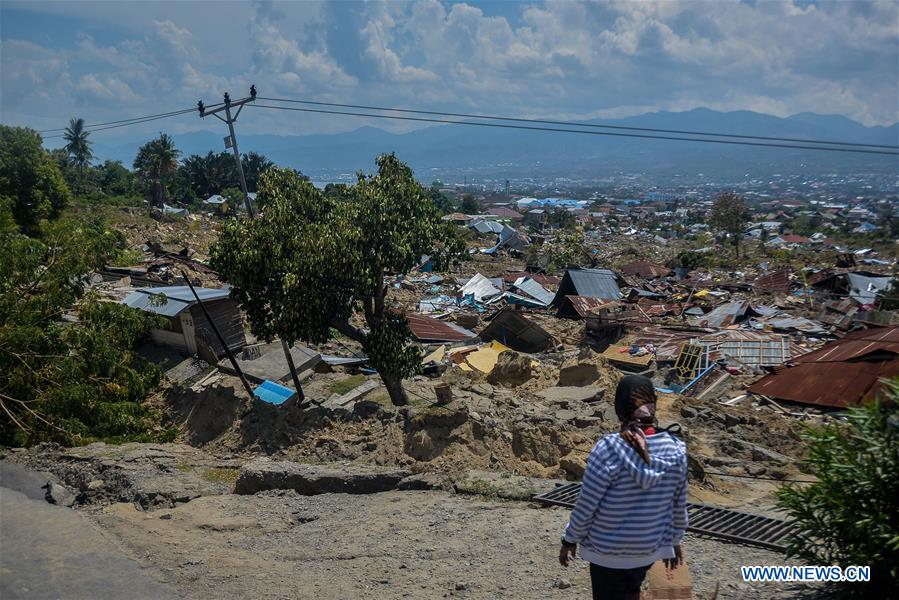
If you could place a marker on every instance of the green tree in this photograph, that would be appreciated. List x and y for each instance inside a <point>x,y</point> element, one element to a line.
<point>470,205</point>
<point>254,165</point>
<point>312,263</point>
<point>567,248</point>
<point>115,179</point>
<point>30,179</point>
<point>154,164</point>
<point>729,215</point>
<point>69,382</point>
<point>850,516</point>
<point>561,219</point>
<point>78,146</point>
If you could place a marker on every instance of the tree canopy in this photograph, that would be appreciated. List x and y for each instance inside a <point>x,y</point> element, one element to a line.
<point>729,215</point>
<point>155,163</point>
<point>314,263</point>
<point>78,146</point>
<point>66,381</point>
<point>30,180</point>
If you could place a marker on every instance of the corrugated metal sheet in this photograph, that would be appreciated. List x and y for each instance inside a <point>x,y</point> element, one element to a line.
<point>753,348</point>
<point>646,269</point>
<point>776,282</point>
<point>840,374</point>
<point>170,301</point>
<point>587,306</point>
<point>428,329</point>
<point>864,289</point>
<point>533,289</point>
<point>480,287</point>
<point>588,283</point>
<point>722,316</point>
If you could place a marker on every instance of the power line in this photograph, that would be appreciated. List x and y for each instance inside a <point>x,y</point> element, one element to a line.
<point>581,131</point>
<point>145,117</point>
<point>580,124</point>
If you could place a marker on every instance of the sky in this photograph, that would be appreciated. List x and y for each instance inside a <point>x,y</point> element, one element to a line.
<point>105,61</point>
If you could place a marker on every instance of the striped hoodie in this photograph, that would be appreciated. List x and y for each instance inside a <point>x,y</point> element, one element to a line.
<point>630,514</point>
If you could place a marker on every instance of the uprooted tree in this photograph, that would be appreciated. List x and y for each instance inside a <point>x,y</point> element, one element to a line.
<point>314,263</point>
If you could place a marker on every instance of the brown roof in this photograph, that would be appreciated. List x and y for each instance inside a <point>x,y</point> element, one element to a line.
<point>584,305</point>
<point>776,282</point>
<point>428,329</point>
<point>504,211</point>
<point>646,269</point>
<point>842,373</point>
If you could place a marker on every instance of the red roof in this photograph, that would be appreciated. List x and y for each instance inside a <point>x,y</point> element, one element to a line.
<point>428,329</point>
<point>840,374</point>
<point>778,281</point>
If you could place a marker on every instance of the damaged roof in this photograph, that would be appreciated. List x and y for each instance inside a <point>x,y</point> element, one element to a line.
<point>840,374</point>
<point>428,329</point>
<point>516,331</point>
<point>590,283</point>
<point>170,301</point>
<point>776,282</point>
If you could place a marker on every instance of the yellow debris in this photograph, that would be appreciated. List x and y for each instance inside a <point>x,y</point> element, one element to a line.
<point>485,359</point>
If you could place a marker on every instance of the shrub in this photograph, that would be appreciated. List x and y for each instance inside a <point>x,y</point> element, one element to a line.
<point>851,515</point>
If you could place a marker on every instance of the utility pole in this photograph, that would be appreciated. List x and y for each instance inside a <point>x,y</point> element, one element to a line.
<point>231,142</point>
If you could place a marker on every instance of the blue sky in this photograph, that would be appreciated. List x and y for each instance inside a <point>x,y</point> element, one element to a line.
<point>111,60</point>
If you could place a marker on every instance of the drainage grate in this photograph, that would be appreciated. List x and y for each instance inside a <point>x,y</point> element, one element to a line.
<point>732,525</point>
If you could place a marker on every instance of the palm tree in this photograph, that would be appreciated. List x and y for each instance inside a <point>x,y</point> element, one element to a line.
<point>253,166</point>
<point>155,162</point>
<point>77,145</point>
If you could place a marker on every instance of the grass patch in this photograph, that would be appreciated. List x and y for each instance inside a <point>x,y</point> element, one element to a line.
<point>345,385</point>
<point>221,474</point>
<point>183,467</point>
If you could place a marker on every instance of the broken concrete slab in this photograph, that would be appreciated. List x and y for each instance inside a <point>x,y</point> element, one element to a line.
<point>266,474</point>
<point>346,401</point>
<point>502,485</point>
<point>267,361</point>
<point>570,392</point>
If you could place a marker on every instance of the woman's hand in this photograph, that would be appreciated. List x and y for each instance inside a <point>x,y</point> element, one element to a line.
<point>566,554</point>
<point>672,563</point>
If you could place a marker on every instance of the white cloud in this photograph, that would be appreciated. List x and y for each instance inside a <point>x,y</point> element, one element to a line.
<point>555,59</point>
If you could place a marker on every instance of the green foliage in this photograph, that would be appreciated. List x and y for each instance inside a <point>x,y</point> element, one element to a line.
<point>312,261</point>
<point>567,248</point>
<point>561,219</point>
<point>729,215</point>
<point>155,163</point>
<point>31,183</point>
<point>70,382</point>
<point>345,385</point>
<point>851,515</point>
<point>470,205</point>
<point>78,146</point>
<point>443,203</point>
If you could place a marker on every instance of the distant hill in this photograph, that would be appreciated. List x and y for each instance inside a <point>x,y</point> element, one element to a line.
<point>505,152</point>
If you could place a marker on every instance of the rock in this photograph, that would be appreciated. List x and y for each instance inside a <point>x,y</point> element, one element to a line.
<point>95,485</point>
<point>587,422</point>
<point>483,389</point>
<point>764,455</point>
<point>570,393</point>
<point>54,493</point>
<point>501,485</point>
<point>461,587</point>
<point>562,583</point>
<point>564,416</point>
<point>267,474</point>
<point>512,369</point>
<point>755,470</point>
<point>732,420</point>
<point>695,468</point>
<point>574,465</point>
<point>688,412</point>
<point>723,461</point>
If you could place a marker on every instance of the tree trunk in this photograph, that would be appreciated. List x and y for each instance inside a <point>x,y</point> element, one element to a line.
<point>395,389</point>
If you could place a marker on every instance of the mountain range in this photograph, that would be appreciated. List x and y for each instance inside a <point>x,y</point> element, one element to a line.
<point>501,152</point>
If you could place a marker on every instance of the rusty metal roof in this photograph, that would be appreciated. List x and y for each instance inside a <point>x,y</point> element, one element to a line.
<point>842,373</point>
<point>646,269</point>
<point>776,282</point>
<point>584,306</point>
<point>428,329</point>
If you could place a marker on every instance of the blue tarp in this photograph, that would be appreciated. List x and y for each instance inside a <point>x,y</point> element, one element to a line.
<point>273,393</point>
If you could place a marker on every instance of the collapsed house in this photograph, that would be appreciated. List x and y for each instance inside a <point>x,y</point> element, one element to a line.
<point>186,327</point>
<point>842,373</point>
<point>600,284</point>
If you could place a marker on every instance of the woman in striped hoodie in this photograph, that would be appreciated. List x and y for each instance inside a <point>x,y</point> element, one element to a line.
<point>632,509</point>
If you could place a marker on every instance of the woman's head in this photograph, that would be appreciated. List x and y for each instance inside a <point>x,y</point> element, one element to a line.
<point>635,400</point>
